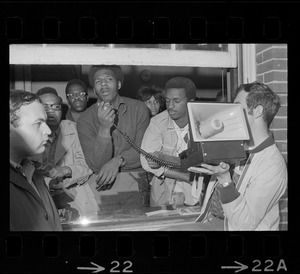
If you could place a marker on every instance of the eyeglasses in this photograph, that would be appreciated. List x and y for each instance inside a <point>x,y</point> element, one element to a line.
<point>76,95</point>
<point>52,107</point>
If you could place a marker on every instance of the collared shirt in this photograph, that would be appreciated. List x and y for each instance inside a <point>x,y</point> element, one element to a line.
<point>30,211</point>
<point>133,119</point>
<point>161,135</point>
<point>253,203</point>
<point>183,137</point>
<point>27,169</point>
<point>164,136</point>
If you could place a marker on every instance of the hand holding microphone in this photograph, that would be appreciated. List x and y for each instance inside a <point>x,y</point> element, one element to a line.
<point>106,115</point>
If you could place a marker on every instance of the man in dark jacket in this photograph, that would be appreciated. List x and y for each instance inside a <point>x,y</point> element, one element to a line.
<point>31,206</point>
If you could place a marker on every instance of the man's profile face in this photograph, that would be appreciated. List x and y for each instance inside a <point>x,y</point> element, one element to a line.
<point>176,103</point>
<point>78,101</point>
<point>53,116</point>
<point>241,99</point>
<point>106,85</point>
<point>31,134</point>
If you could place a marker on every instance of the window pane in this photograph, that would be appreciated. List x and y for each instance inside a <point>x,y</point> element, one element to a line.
<point>214,47</point>
<point>155,46</point>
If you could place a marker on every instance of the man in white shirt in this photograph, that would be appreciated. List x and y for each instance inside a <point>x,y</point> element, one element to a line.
<point>166,137</point>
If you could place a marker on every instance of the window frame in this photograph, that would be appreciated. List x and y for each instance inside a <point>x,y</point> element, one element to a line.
<point>87,54</point>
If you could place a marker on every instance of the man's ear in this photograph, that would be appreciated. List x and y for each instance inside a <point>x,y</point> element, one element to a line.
<point>119,84</point>
<point>258,111</point>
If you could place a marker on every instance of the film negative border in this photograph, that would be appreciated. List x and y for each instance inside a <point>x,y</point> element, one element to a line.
<point>153,22</point>
<point>148,252</point>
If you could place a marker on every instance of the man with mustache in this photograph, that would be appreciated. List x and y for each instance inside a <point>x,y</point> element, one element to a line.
<point>63,162</point>
<point>31,206</point>
<point>166,137</point>
<point>120,182</point>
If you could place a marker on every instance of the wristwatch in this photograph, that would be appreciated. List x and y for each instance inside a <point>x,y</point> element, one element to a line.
<point>225,184</point>
<point>123,162</point>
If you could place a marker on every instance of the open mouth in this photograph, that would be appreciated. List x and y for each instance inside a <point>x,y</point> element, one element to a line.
<point>105,93</point>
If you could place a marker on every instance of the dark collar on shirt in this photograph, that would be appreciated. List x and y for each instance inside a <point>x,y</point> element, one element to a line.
<point>266,143</point>
<point>26,166</point>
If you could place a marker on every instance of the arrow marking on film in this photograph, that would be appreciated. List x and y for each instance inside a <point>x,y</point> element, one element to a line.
<point>239,268</point>
<point>97,269</point>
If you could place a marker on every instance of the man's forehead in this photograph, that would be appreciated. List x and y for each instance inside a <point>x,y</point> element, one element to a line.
<point>75,87</point>
<point>175,92</point>
<point>49,97</point>
<point>104,72</point>
<point>33,111</point>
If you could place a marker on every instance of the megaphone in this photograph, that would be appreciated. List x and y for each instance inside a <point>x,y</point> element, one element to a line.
<point>217,133</point>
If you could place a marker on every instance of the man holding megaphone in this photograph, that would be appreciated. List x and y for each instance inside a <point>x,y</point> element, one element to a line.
<point>248,194</point>
<point>166,137</point>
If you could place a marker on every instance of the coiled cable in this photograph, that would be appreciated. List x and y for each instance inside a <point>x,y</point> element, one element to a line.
<point>148,155</point>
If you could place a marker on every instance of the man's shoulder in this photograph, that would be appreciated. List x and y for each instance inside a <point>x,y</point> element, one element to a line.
<point>87,114</point>
<point>161,117</point>
<point>134,102</point>
<point>271,156</point>
<point>276,154</point>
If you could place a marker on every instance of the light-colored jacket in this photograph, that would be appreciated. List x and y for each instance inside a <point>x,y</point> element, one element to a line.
<point>69,153</point>
<point>261,187</point>
<point>161,136</point>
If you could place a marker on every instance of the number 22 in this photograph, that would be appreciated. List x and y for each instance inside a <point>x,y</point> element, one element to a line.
<point>117,264</point>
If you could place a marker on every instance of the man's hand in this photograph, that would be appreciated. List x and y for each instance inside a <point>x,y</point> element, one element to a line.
<point>53,171</point>
<point>106,115</point>
<point>54,184</point>
<point>221,171</point>
<point>107,174</point>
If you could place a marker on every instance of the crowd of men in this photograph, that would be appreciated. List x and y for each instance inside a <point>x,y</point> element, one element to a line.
<point>83,164</point>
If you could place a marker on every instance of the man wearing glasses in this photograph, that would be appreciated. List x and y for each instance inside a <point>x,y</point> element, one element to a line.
<point>63,161</point>
<point>76,93</point>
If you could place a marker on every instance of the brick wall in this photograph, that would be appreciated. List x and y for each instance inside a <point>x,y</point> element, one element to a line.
<point>271,60</point>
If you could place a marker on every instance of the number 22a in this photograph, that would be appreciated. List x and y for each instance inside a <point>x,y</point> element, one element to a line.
<point>268,267</point>
<point>127,265</point>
